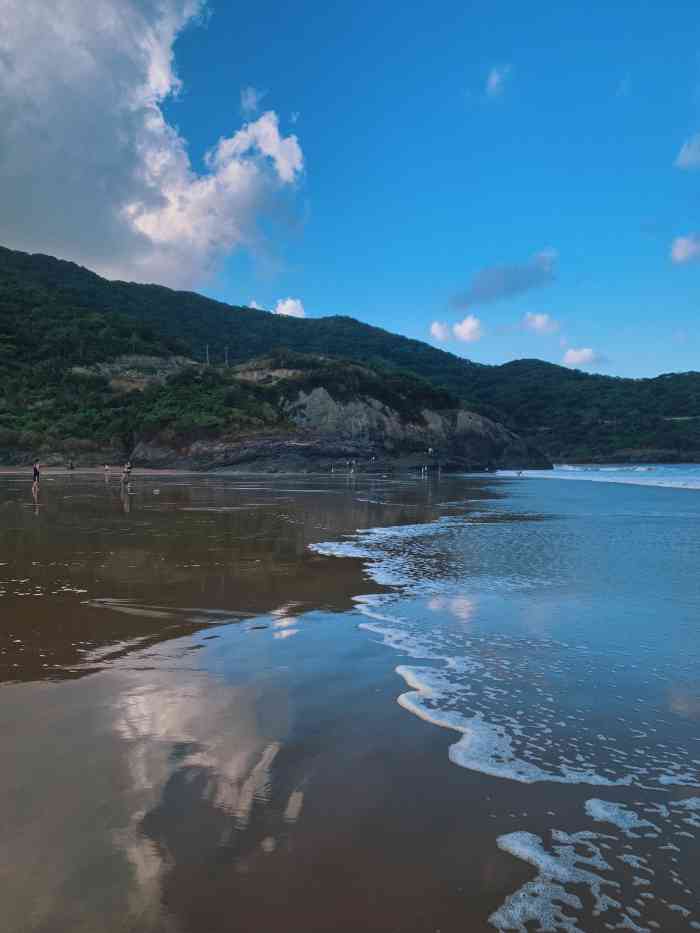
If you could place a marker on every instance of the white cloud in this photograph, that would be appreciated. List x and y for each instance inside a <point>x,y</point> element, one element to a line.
<point>292,307</point>
<point>469,330</point>
<point>439,331</point>
<point>689,156</point>
<point>250,99</point>
<point>89,167</point>
<point>254,304</point>
<point>496,80</point>
<point>686,249</point>
<point>540,323</point>
<point>261,136</point>
<point>583,356</point>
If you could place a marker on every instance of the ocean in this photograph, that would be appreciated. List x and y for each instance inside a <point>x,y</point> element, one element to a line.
<point>556,634</point>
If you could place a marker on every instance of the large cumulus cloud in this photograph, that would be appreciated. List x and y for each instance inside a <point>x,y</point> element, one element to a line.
<point>89,167</point>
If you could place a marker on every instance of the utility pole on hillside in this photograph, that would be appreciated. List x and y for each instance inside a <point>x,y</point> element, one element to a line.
<point>207,354</point>
<point>226,356</point>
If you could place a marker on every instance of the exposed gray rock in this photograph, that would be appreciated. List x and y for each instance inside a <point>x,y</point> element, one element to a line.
<point>326,431</point>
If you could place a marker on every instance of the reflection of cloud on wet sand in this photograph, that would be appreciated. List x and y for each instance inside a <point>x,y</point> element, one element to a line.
<point>684,703</point>
<point>284,621</point>
<point>460,607</point>
<point>196,755</point>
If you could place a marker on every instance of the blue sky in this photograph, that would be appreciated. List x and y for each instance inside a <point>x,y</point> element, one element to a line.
<point>535,141</point>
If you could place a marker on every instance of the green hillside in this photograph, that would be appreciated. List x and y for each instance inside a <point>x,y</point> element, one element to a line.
<point>54,312</point>
<point>83,371</point>
<point>577,415</point>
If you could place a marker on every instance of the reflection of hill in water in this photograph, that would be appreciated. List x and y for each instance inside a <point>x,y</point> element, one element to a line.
<point>91,574</point>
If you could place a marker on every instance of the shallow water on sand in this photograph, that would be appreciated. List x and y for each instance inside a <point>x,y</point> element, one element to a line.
<point>199,721</point>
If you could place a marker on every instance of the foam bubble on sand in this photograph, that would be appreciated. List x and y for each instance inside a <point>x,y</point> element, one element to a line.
<point>543,900</point>
<point>603,811</point>
<point>635,849</point>
<point>496,690</point>
<point>484,746</point>
<point>389,561</point>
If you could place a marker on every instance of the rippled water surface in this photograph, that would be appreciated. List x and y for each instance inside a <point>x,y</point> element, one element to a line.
<point>199,719</point>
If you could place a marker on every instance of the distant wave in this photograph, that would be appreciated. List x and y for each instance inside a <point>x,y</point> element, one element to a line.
<point>670,476</point>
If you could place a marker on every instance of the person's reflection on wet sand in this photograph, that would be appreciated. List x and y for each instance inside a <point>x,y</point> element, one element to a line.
<point>125,495</point>
<point>35,496</point>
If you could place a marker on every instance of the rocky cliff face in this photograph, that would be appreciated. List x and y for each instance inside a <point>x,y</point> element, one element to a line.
<point>322,431</point>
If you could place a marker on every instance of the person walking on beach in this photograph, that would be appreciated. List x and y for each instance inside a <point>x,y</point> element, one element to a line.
<point>36,477</point>
<point>126,472</point>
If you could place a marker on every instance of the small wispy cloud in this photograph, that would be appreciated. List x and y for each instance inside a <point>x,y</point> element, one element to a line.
<point>689,156</point>
<point>291,307</point>
<point>505,281</point>
<point>685,249</point>
<point>251,98</point>
<point>294,117</point>
<point>253,304</point>
<point>468,330</point>
<point>496,80</point>
<point>582,356</point>
<point>624,87</point>
<point>439,331</point>
<point>540,323</point>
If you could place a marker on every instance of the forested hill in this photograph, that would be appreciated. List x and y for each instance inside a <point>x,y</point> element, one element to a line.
<point>570,414</point>
<point>584,416</point>
<point>193,322</point>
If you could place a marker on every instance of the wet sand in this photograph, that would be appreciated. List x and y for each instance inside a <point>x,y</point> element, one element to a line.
<point>199,735</point>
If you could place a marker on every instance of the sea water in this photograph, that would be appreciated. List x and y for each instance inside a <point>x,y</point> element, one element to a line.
<point>556,633</point>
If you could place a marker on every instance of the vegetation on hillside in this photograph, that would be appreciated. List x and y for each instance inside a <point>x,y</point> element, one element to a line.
<point>54,396</point>
<point>55,315</point>
<point>580,415</point>
<point>345,380</point>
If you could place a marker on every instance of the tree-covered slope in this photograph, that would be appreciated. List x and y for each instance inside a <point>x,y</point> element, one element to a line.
<point>86,374</point>
<point>52,311</point>
<point>194,322</point>
<point>569,413</point>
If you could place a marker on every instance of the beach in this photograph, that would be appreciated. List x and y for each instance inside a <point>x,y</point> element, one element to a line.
<point>348,702</point>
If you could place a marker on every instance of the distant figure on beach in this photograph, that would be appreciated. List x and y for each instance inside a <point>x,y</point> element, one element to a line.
<point>106,472</point>
<point>36,477</point>
<point>71,465</point>
<point>126,472</point>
